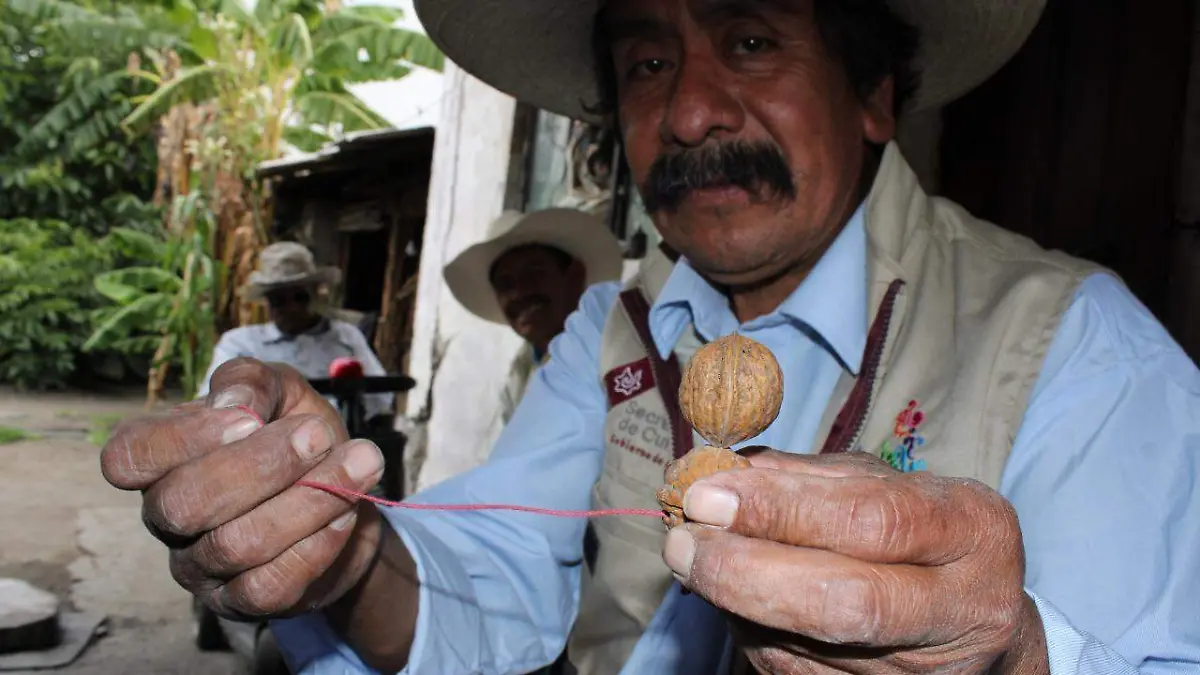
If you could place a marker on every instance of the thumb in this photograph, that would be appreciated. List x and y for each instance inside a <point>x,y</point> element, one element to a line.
<point>271,391</point>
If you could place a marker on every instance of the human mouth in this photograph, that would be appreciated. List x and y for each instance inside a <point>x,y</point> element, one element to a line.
<point>724,195</point>
<point>529,312</point>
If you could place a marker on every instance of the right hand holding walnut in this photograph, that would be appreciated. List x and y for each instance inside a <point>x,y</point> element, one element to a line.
<point>219,490</point>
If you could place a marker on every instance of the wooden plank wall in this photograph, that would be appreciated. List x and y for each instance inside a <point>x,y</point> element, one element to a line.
<point>1076,142</point>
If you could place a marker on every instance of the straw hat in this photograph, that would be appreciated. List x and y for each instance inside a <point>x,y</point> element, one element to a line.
<point>578,234</point>
<point>287,264</point>
<point>540,51</point>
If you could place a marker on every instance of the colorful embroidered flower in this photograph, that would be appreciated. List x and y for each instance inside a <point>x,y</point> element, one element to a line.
<point>898,450</point>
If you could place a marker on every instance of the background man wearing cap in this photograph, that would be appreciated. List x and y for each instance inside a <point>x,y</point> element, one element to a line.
<point>529,274</point>
<point>986,458</point>
<point>288,279</point>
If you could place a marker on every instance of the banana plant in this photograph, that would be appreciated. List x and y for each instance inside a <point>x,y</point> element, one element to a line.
<point>170,306</point>
<point>226,85</point>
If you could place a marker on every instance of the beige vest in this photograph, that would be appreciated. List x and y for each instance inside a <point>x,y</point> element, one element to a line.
<point>961,314</point>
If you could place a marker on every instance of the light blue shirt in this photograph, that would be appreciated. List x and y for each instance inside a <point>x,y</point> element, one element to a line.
<point>1103,475</point>
<point>311,353</point>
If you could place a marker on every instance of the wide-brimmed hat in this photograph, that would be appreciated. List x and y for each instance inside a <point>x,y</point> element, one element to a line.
<point>582,236</point>
<point>540,51</point>
<point>287,264</point>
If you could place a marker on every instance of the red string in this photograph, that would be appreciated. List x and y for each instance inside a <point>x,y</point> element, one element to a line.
<point>482,507</point>
<point>465,507</point>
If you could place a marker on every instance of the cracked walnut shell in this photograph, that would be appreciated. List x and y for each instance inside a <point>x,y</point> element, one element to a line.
<point>693,466</point>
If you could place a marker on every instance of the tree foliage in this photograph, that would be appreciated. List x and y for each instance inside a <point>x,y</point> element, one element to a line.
<point>111,110</point>
<point>47,297</point>
<point>63,192</point>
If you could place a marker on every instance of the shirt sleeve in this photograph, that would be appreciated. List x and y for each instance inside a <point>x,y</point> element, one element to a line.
<point>1103,475</point>
<point>499,589</point>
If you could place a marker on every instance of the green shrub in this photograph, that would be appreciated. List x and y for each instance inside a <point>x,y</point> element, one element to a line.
<point>48,298</point>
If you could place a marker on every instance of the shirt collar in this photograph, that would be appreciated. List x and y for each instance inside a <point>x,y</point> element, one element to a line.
<point>830,305</point>
<point>273,335</point>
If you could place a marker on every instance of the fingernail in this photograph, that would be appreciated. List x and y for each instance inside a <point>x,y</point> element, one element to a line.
<point>234,396</point>
<point>239,430</point>
<point>678,552</point>
<point>363,461</point>
<point>344,522</point>
<point>311,440</point>
<point>710,505</point>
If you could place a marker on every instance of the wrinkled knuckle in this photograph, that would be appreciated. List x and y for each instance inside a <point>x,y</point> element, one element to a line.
<point>996,516</point>
<point>854,614</point>
<point>225,548</point>
<point>184,570</point>
<point>876,519</point>
<point>265,591</point>
<point>172,510</point>
<point>243,366</point>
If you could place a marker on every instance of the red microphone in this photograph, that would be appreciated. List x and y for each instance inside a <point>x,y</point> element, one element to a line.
<point>345,367</point>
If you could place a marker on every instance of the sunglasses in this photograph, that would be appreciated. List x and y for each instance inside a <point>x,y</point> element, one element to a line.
<point>282,298</point>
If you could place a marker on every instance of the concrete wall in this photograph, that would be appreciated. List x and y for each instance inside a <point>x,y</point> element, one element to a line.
<point>457,406</point>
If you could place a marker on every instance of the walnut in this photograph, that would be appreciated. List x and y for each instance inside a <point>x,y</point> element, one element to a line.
<point>693,466</point>
<point>732,391</point>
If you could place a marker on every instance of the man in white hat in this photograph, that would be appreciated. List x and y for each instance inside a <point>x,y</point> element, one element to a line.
<point>986,457</point>
<point>287,280</point>
<point>529,274</point>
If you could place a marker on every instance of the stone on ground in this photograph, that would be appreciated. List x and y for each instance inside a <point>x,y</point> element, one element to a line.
<point>28,617</point>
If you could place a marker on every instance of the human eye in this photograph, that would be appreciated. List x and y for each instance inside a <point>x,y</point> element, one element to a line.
<point>648,68</point>
<point>751,44</point>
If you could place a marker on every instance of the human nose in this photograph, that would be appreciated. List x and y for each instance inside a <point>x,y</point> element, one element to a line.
<point>700,107</point>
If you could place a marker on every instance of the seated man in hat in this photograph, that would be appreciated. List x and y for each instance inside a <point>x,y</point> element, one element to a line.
<point>529,274</point>
<point>985,459</point>
<point>288,279</point>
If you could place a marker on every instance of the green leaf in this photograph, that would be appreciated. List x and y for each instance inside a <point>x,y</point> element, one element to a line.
<point>137,245</point>
<point>305,139</point>
<point>325,101</point>
<point>77,109</point>
<point>237,11</point>
<point>146,310</point>
<point>291,42</point>
<point>203,42</point>
<point>125,285</point>
<point>195,84</point>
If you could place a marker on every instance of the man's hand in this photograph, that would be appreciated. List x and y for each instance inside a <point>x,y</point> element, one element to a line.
<point>841,563</point>
<point>218,489</point>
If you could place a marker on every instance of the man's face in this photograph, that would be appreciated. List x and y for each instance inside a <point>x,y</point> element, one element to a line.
<point>742,131</point>
<point>537,289</point>
<point>290,309</point>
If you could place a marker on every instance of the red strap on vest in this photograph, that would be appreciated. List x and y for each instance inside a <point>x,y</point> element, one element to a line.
<point>666,372</point>
<point>854,411</point>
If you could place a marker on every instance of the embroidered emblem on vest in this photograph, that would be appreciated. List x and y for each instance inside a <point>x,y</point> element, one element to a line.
<point>624,382</point>
<point>898,450</point>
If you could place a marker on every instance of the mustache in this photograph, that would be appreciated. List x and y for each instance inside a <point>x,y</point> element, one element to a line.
<point>756,167</point>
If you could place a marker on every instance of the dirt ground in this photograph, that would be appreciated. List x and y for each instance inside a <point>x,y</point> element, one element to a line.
<point>66,530</point>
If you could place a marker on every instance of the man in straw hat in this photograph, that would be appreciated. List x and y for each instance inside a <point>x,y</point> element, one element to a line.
<point>287,280</point>
<point>529,274</point>
<point>985,459</point>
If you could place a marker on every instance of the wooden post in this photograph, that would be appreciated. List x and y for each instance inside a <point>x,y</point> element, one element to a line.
<point>456,408</point>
